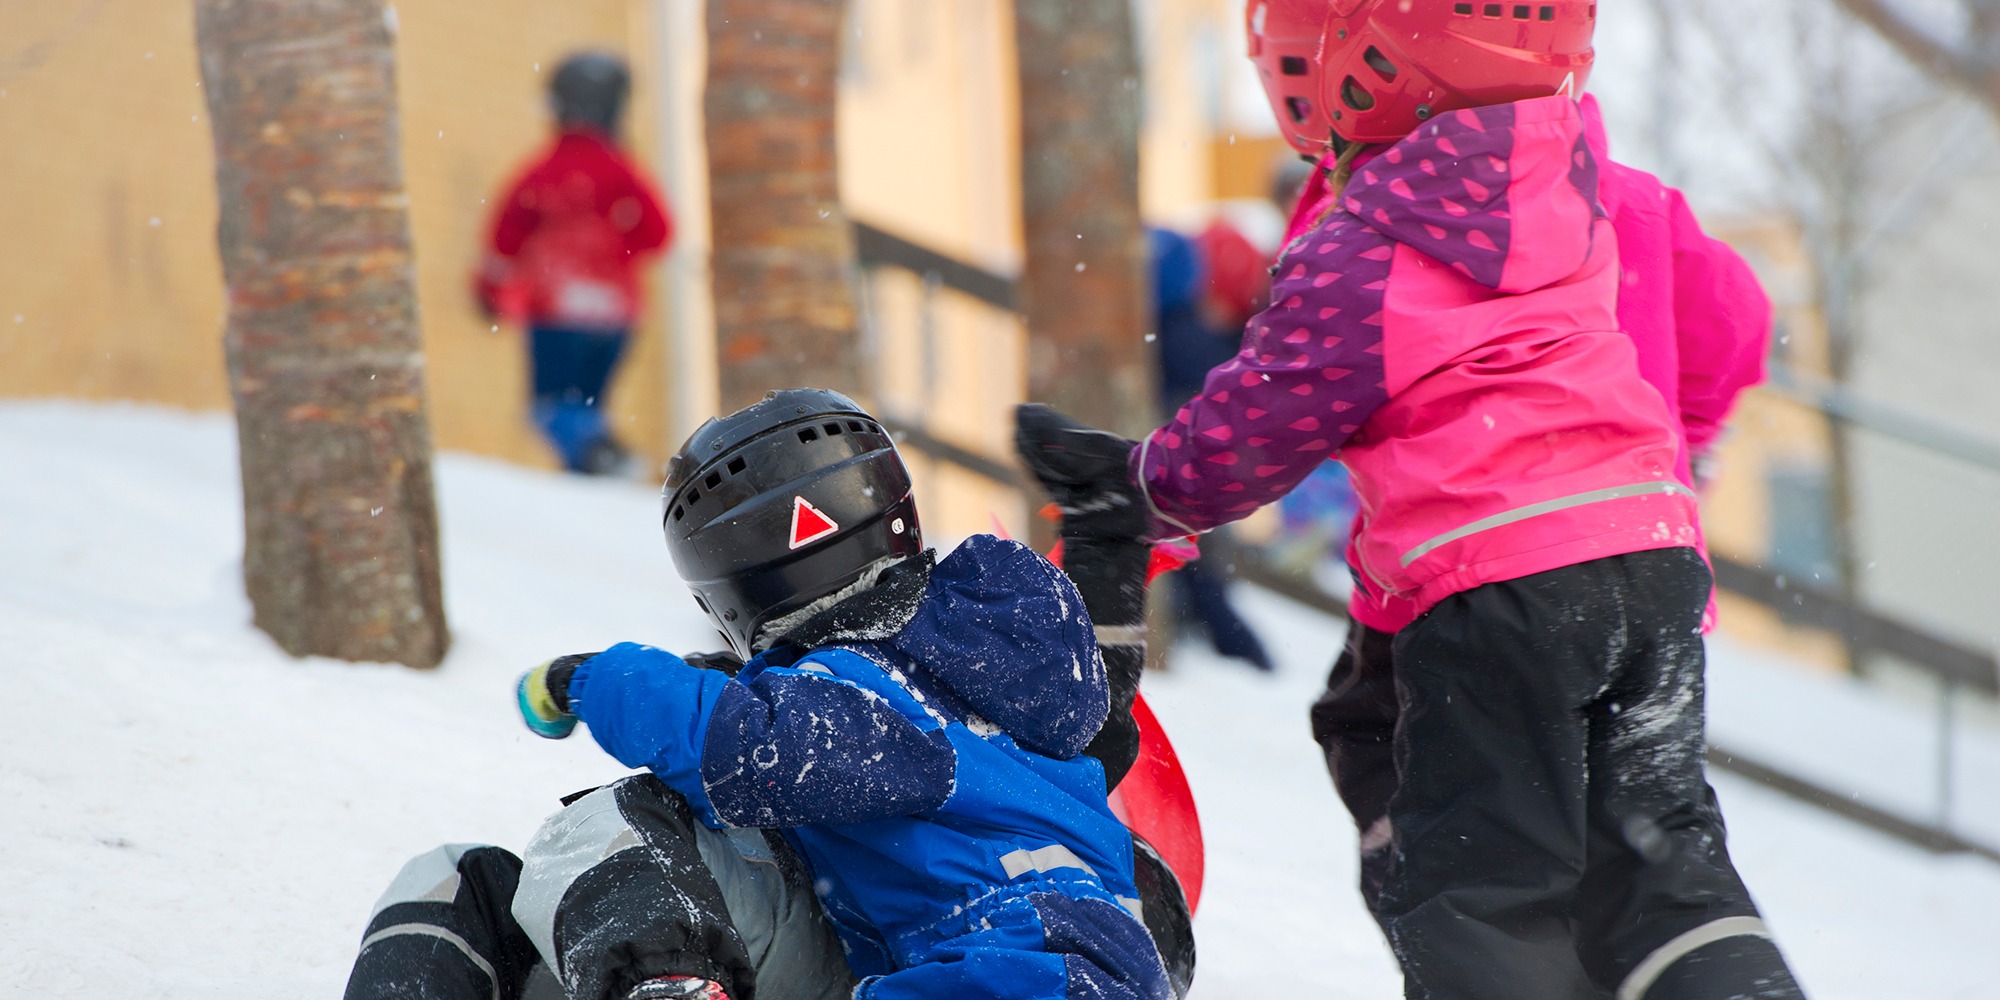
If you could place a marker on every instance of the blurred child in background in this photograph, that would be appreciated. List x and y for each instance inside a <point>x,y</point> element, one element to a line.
<point>1205,287</point>
<point>567,241</point>
<point>1188,343</point>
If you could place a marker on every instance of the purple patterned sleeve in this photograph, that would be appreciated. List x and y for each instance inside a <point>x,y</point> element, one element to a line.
<point>1310,373</point>
<point>1446,192</point>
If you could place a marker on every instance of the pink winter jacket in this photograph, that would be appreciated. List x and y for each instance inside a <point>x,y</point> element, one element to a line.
<point>1696,314</point>
<point>1451,336</point>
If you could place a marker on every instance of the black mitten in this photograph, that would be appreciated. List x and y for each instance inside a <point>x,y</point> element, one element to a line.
<point>1086,472</point>
<point>1104,519</point>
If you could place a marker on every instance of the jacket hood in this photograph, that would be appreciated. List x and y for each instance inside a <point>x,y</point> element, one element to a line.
<point>1004,633</point>
<point>1505,195</point>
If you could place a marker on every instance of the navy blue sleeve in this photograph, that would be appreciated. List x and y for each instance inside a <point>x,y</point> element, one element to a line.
<point>800,745</point>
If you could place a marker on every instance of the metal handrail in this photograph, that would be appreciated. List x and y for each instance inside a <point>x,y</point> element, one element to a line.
<point>1845,406</point>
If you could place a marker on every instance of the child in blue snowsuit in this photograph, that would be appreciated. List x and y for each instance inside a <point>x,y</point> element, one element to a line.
<point>931,780</point>
<point>912,763</point>
<point>916,732</point>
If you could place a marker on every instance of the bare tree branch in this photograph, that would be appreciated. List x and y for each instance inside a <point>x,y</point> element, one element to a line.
<point>1969,68</point>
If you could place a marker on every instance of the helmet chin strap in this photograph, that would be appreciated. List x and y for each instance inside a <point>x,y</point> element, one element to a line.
<point>877,605</point>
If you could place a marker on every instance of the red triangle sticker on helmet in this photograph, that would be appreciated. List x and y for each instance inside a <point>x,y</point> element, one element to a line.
<point>808,524</point>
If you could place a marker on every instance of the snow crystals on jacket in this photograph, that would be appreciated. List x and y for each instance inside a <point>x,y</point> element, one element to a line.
<point>958,843</point>
<point>1450,335</point>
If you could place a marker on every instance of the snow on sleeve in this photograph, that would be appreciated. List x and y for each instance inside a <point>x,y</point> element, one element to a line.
<point>818,743</point>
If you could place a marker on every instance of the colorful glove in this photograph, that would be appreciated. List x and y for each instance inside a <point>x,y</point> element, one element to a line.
<point>543,696</point>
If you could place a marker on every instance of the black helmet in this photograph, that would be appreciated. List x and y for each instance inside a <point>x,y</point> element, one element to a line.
<point>783,506</point>
<point>589,88</point>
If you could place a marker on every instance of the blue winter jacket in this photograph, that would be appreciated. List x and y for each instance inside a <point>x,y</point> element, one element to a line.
<point>959,844</point>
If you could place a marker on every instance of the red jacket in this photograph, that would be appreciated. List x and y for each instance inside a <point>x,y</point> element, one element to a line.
<point>1239,275</point>
<point>569,235</point>
<point>1451,335</point>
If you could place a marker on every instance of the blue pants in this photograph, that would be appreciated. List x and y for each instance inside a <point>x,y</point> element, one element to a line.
<point>1201,597</point>
<point>571,371</point>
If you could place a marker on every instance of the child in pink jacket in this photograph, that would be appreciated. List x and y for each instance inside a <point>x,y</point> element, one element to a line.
<point>1449,330</point>
<point>1699,323</point>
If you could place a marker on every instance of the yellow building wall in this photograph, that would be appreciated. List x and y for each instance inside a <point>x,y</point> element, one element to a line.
<point>110,286</point>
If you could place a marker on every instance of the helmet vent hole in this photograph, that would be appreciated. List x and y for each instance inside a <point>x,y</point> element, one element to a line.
<point>832,430</point>
<point>714,479</point>
<point>856,426</point>
<point>1356,96</point>
<point>1293,66</point>
<point>1300,109</point>
<point>704,605</point>
<point>808,435</point>
<point>1462,10</point>
<point>1492,10</point>
<point>679,512</point>
<point>1379,63</point>
<point>694,497</point>
<point>737,465</point>
<point>1522,12</point>
<point>1548,13</point>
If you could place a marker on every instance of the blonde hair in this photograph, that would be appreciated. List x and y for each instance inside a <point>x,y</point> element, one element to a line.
<point>1337,178</point>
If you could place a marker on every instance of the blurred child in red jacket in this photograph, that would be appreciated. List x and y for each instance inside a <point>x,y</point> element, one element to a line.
<point>567,241</point>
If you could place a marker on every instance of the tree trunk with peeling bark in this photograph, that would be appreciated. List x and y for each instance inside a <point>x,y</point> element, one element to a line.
<point>1084,284</point>
<point>784,267</point>
<point>324,354</point>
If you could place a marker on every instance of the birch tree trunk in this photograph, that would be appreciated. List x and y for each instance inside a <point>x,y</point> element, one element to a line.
<point>325,359</point>
<point>783,254</point>
<point>1084,284</point>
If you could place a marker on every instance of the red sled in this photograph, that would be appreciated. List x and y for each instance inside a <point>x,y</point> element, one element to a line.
<point>1156,803</point>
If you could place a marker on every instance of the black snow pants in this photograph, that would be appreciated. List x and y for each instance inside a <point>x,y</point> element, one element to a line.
<point>621,886</point>
<point>1524,764</point>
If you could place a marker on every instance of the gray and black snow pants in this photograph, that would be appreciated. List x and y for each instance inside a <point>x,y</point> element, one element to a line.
<point>621,886</point>
<point>1524,763</point>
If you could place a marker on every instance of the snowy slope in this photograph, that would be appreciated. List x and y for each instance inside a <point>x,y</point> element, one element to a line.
<point>187,812</point>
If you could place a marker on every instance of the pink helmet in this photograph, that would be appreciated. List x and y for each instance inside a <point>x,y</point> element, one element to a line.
<point>1373,70</point>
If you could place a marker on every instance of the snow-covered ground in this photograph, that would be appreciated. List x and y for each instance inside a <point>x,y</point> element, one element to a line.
<point>187,812</point>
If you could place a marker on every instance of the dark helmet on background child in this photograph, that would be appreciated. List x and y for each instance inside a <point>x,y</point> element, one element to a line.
<point>793,519</point>
<point>590,88</point>
<point>1371,71</point>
